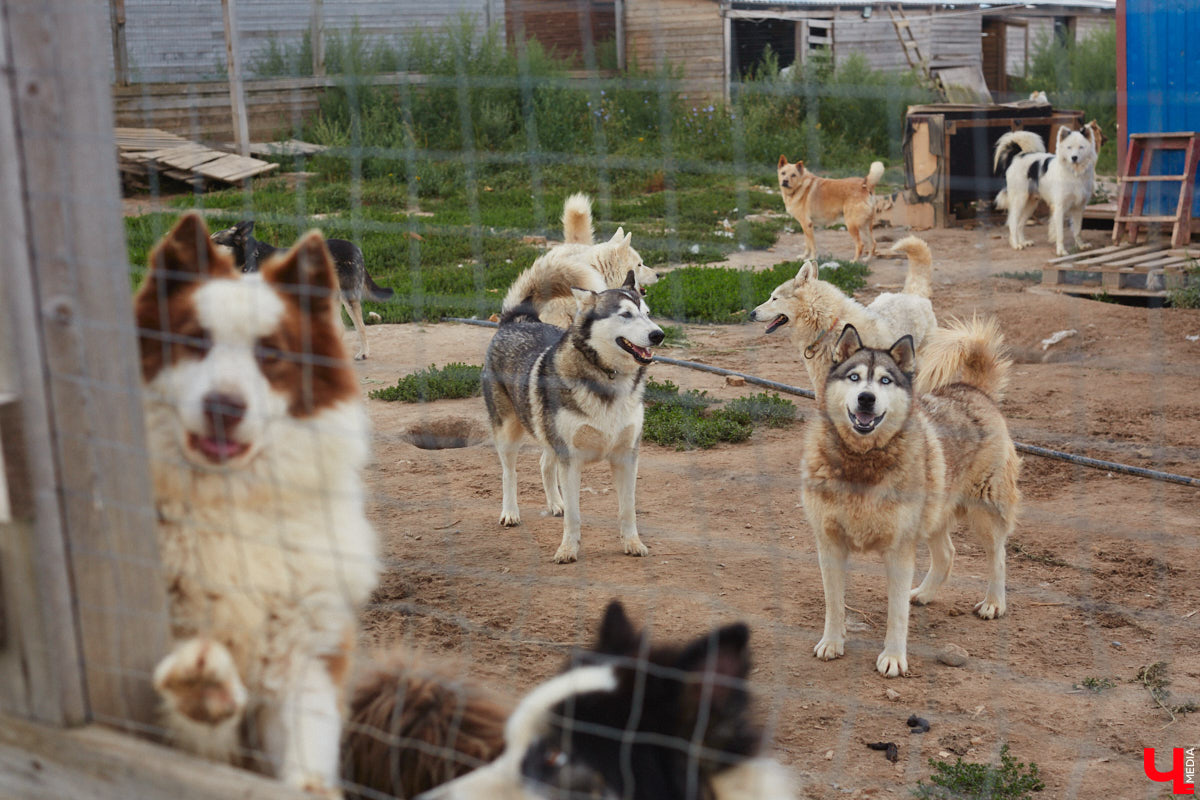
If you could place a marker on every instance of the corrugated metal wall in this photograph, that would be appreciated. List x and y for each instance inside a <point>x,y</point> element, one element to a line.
<point>184,40</point>
<point>1162,63</point>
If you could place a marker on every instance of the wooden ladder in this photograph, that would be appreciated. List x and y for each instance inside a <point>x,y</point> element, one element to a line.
<point>909,43</point>
<point>1142,147</point>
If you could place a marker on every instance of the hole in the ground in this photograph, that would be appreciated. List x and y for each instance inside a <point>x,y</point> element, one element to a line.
<point>444,434</point>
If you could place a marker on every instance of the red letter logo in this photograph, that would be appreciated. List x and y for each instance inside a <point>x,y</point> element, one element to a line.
<point>1178,786</point>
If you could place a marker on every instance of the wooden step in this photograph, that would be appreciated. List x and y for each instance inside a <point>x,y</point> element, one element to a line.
<point>1143,178</point>
<point>1171,136</point>
<point>1157,218</point>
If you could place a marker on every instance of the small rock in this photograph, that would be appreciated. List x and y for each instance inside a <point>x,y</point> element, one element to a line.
<point>952,656</point>
<point>829,755</point>
<point>734,380</point>
<point>891,694</point>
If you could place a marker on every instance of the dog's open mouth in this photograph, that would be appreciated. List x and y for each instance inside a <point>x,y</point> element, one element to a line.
<point>216,449</point>
<point>864,422</point>
<point>642,355</point>
<point>778,323</point>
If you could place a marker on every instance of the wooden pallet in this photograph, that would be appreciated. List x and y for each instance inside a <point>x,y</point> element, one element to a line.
<point>144,150</point>
<point>1146,270</point>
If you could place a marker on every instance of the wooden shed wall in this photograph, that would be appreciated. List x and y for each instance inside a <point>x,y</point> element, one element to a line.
<point>687,34</point>
<point>944,39</point>
<point>565,26</point>
<point>184,40</point>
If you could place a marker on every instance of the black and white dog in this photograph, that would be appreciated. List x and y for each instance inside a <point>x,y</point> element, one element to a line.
<point>634,720</point>
<point>353,280</point>
<point>1064,179</point>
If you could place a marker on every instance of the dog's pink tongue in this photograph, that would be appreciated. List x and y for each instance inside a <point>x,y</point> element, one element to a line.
<point>219,449</point>
<point>863,419</point>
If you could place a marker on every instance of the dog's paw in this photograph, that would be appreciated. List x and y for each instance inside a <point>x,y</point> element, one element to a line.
<point>566,554</point>
<point>987,609</point>
<point>634,547</point>
<point>510,519</point>
<point>1082,246</point>
<point>921,598</point>
<point>360,356</point>
<point>317,786</point>
<point>892,665</point>
<point>200,681</point>
<point>828,649</point>
<point>555,510</point>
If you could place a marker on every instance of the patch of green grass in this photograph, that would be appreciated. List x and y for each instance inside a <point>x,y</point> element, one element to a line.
<point>1028,275</point>
<point>962,781</point>
<point>1093,684</point>
<point>688,421</point>
<point>1188,296</point>
<point>724,295</point>
<point>674,336</point>
<point>769,410</point>
<point>435,383</point>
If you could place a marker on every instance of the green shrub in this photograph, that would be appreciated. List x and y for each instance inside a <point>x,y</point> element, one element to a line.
<point>1080,75</point>
<point>769,410</point>
<point>1188,296</point>
<point>962,781</point>
<point>424,386</point>
<point>667,394</point>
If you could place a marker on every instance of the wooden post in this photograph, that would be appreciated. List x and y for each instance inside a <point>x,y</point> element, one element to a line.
<point>619,22</point>
<point>84,599</point>
<point>317,37</point>
<point>116,11</point>
<point>729,67</point>
<point>237,95</point>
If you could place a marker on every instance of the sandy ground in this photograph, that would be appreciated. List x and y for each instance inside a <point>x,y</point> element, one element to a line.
<point>1098,575</point>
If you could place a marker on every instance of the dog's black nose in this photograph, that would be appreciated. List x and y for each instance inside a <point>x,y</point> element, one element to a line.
<point>656,337</point>
<point>223,412</point>
<point>866,400</point>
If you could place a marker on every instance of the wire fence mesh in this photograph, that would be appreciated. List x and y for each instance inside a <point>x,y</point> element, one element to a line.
<point>345,609</point>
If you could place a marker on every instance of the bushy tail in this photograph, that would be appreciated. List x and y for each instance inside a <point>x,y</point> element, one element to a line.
<point>410,730</point>
<point>920,265</point>
<point>577,219</point>
<point>549,279</point>
<point>377,292</point>
<point>1011,145</point>
<point>874,174</point>
<point>970,352</point>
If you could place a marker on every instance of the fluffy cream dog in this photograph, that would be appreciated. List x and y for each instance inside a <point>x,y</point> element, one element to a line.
<point>816,310</point>
<point>579,263</point>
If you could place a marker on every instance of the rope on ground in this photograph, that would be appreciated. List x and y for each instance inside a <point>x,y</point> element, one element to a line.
<point>1031,449</point>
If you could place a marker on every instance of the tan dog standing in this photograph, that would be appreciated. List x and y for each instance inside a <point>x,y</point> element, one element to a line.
<point>812,199</point>
<point>890,463</point>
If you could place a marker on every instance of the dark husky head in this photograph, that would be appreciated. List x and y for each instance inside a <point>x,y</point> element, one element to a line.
<point>868,396</point>
<point>632,719</point>
<point>245,248</point>
<point>615,325</point>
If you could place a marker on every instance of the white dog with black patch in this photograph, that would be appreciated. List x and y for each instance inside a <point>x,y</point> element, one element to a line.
<point>1064,179</point>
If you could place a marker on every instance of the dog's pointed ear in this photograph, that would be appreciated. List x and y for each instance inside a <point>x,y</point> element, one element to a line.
<point>627,241</point>
<point>800,165</point>
<point>187,254</point>
<point>1091,128</point>
<point>618,236</point>
<point>904,353</point>
<point>720,657</point>
<point>782,161</point>
<point>1063,132</point>
<point>630,281</point>
<point>244,228</point>
<point>808,271</point>
<point>584,298</point>
<point>847,345</point>
<point>617,635</point>
<point>306,271</point>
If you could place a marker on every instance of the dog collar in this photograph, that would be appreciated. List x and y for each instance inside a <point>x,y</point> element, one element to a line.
<point>811,350</point>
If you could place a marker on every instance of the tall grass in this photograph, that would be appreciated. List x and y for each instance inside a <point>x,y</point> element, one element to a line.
<point>1080,75</point>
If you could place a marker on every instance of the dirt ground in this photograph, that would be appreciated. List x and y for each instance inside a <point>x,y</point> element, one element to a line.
<point>1098,567</point>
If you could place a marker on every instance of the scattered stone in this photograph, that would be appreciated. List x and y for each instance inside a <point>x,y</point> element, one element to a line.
<point>952,656</point>
<point>891,694</point>
<point>829,755</point>
<point>734,380</point>
<point>1057,337</point>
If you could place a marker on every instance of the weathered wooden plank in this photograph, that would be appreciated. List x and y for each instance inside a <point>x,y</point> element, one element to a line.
<point>78,372</point>
<point>38,762</point>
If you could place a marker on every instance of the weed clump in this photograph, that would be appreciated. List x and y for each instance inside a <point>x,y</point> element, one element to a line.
<point>1012,780</point>
<point>450,382</point>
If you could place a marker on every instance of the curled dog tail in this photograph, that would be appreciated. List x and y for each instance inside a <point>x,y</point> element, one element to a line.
<point>410,730</point>
<point>1011,145</point>
<point>920,265</point>
<point>549,279</point>
<point>970,352</point>
<point>874,174</point>
<point>577,219</point>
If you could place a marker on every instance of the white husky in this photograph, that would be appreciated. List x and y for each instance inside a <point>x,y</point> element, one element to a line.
<point>1064,179</point>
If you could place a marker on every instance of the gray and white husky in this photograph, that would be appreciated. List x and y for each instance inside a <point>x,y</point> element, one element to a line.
<point>579,393</point>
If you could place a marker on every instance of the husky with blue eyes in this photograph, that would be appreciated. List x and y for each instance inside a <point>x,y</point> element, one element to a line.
<point>895,459</point>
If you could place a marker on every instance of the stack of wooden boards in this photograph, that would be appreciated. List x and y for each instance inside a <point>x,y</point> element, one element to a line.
<point>1147,270</point>
<point>141,151</point>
